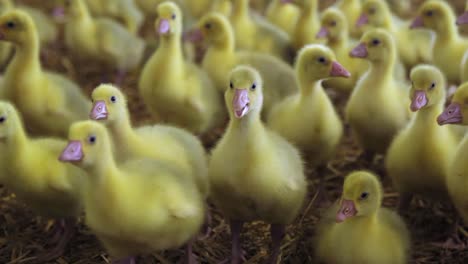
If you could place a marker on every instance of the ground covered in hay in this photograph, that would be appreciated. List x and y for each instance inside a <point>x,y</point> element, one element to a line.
<point>24,236</point>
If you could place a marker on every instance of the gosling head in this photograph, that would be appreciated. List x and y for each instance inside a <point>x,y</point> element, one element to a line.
<point>214,28</point>
<point>435,15</point>
<point>375,13</point>
<point>109,104</point>
<point>362,196</point>
<point>244,95</point>
<point>457,111</point>
<point>427,87</point>
<point>375,45</point>
<point>16,26</point>
<point>88,144</point>
<point>333,25</point>
<point>169,20</point>
<point>9,120</point>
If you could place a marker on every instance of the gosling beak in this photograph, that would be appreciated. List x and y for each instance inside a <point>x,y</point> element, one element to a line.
<point>360,51</point>
<point>346,211</point>
<point>362,20</point>
<point>463,19</point>
<point>241,102</point>
<point>418,101</point>
<point>58,13</point>
<point>451,115</point>
<point>338,70</point>
<point>323,33</point>
<point>193,35</point>
<point>417,23</point>
<point>99,111</point>
<point>164,26</point>
<point>72,152</point>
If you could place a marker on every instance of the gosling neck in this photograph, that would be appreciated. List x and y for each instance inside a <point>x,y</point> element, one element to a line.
<point>446,30</point>
<point>104,169</point>
<point>309,86</point>
<point>430,113</point>
<point>17,143</point>
<point>122,132</point>
<point>310,10</point>
<point>385,66</point>
<point>338,42</point>
<point>240,8</point>
<point>247,123</point>
<point>26,58</point>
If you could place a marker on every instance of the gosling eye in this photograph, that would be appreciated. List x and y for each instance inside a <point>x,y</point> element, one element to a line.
<point>372,10</point>
<point>253,87</point>
<point>375,42</point>
<point>113,99</point>
<point>10,24</point>
<point>432,86</point>
<point>364,195</point>
<point>207,25</point>
<point>92,139</point>
<point>322,60</point>
<point>173,16</point>
<point>231,85</point>
<point>429,13</point>
<point>333,23</point>
<point>2,119</point>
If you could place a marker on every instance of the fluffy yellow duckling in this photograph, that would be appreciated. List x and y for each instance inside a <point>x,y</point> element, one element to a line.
<point>308,118</point>
<point>308,23</point>
<point>37,178</point>
<point>278,76</point>
<point>46,28</point>
<point>457,176</point>
<point>449,46</point>
<point>358,230</point>
<point>351,9</point>
<point>283,15</point>
<point>125,10</point>
<point>255,174</point>
<point>176,90</point>
<point>378,106</point>
<point>166,143</point>
<point>414,46</point>
<point>419,156</point>
<point>136,207</point>
<point>101,39</point>
<point>255,33</point>
<point>334,28</point>
<point>48,102</point>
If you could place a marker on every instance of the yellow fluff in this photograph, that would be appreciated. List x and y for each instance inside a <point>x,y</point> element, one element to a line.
<point>53,102</point>
<point>378,106</point>
<point>419,156</point>
<point>357,230</point>
<point>176,90</point>
<point>351,9</point>
<point>136,207</point>
<point>255,174</point>
<point>165,143</point>
<point>308,23</point>
<point>283,15</point>
<point>308,119</point>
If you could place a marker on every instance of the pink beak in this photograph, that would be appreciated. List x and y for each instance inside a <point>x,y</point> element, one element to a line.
<point>164,26</point>
<point>346,211</point>
<point>451,115</point>
<point>360,51</point>
<point>193,35</point>
<point>417,23</point>
<point>419,101</point>
<point>72,152</point>
<point>362,20</point>
<point>338,70</point>
<point>463,19</point>
<point>99,111</point>
<point>323,33</point>
<point>241,102</point>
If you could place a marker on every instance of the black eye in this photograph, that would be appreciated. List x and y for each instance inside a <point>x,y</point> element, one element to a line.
<point>253,87</point>
<point>333,23</point>
<point>429,13</point>
<point>364,195</point>
<point>10,24</point>
<point>372,10</point>
<point>207,25</point>
<point>92,139</point>
<point>322,60</point>
<point>173,16</point>
<point>113,99</point>
<point>375,42</point>
<point>432,86</point>
<point>2,119</point>
<point>231,85</point>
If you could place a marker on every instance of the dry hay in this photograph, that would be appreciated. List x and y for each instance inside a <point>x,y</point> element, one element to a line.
<point>23,236</point>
